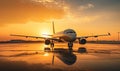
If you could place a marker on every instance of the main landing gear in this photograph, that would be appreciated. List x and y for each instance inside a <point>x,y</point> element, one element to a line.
<point>70,45</point>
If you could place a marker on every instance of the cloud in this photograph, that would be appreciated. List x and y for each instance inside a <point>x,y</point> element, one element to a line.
<point>22,11</point>
<point>87,6</point>
<point>44,0</point>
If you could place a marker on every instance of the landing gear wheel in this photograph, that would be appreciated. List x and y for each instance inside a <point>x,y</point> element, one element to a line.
<point>70,45</point>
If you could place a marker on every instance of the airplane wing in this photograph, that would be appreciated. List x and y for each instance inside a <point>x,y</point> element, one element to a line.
<point>93,36</point>
<point>29,36</point>
<point>51,38</point>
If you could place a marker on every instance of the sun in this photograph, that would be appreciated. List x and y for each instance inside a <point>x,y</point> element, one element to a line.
<point>45,33</point>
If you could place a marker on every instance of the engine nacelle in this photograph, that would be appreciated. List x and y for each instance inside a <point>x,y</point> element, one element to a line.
<point>47,42</point>
<point>82,41</point>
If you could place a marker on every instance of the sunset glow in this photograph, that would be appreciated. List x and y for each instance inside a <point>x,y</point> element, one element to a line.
<point>34,17</point>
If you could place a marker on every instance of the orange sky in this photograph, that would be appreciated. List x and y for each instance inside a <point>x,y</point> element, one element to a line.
<point>34,17</point>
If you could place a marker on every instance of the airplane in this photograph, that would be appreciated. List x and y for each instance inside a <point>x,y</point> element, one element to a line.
<point>68,35</point>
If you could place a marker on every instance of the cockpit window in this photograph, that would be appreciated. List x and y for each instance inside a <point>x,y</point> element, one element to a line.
<point>70,32</point>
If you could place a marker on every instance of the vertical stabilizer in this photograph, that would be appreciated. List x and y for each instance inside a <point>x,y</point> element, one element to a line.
<point>53,27</point>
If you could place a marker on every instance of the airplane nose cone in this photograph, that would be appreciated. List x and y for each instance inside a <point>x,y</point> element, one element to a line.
<point>71,33</point>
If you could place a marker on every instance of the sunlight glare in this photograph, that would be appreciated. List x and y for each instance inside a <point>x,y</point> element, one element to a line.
<point>46,54</point>
<point>45,45</point>
<point>45,33</point>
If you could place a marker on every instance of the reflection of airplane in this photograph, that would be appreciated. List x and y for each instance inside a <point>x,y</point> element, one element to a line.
<point>66,56</point>
<point>68,35</point>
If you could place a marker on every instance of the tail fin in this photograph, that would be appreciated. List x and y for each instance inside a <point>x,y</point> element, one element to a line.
<point>53,27</point>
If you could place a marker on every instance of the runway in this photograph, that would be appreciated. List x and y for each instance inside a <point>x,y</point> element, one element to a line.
<point>32,57</point>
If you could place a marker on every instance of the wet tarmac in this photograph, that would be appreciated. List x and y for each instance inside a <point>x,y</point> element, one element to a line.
<point>34,57</point>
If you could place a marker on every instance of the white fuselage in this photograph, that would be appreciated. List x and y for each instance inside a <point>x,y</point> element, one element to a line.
<point>68,35</point>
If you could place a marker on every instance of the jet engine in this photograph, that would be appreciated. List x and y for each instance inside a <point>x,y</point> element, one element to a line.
<point>47,42</point>
<point>82,41</point>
